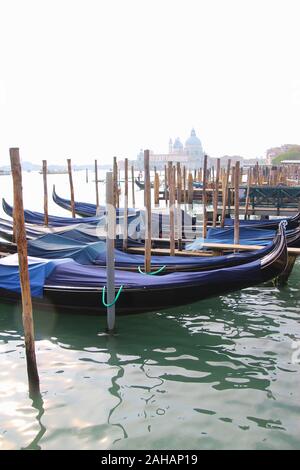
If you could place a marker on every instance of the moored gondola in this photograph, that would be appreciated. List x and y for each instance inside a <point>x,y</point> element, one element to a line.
<point>141,184</point>
<point>52,246</point>
<point>67,285</point>
<point>266,224</point>
<point>85,209</point>
<point>34,217</point>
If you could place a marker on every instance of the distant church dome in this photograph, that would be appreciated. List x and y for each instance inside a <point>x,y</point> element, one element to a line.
<point>177,146</point>
<point>193,140</point>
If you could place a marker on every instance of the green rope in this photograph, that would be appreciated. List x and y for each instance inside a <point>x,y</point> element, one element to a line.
<point>114,301</point>
<point>152,273</point>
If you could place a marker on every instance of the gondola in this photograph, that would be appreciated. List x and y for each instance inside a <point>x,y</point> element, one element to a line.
<point>34,217</point>
<point>266,224</point>
<point>247,236</point>
<point>68,286</point>
<point>54,246</point>
<point>141,184</point>
<point>85,209</point>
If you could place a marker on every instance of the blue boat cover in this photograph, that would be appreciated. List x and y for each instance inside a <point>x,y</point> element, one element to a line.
<point>33,217</point>
<point>39,270</point>
<point>69,273</point>
<point>57,246</point>
<point>73,274</point>
<point>86,208</point>
<point>229,222</point>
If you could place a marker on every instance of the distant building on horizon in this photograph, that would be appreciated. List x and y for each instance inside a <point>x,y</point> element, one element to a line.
<point>275,151</point>
<point>191,154</point>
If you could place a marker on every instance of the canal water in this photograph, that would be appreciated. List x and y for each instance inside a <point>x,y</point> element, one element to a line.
<point>218,374</point>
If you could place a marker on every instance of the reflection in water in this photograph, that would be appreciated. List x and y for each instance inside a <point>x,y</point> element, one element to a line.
<point>216,374</point>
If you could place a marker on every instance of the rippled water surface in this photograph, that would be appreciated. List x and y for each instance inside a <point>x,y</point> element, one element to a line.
<point>216,374</point>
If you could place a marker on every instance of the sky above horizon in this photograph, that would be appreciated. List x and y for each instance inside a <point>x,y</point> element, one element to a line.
<point>97,78</point>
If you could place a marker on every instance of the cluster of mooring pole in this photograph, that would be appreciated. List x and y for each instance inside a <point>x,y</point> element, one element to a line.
<point>27,317</point>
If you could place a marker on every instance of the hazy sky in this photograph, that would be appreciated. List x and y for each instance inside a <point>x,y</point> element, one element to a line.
<point>97,78</point>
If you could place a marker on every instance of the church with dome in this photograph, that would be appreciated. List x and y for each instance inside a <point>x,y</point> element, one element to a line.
<point>189,155</point>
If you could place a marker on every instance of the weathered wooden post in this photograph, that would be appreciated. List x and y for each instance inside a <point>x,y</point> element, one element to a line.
<point>132,186</point>
<point>190,189</point>
<point>204,230</point>
<point>115,182</point>
<point>125,235</point>
<point>184,185</point>
<point>71,187</point>
<point>247,202</point>
<point>45,192</point>
<point>96,187</point>
<point>166,184</point>
<point>110,251</point>
<point>156,189</point>
<point>32,371</point>
<point>172,208</point>
<point>86,175</point>
<point>216,194</point>
<point>225,193</point>
<point>237,203</point>
<point>148,241</point>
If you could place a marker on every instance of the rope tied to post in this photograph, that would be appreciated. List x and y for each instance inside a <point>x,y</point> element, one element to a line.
<point>153,272</point>
<point>115,299</point>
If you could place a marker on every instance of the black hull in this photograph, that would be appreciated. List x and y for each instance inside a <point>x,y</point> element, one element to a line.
<point>88,300</point>
<point>141,185</point>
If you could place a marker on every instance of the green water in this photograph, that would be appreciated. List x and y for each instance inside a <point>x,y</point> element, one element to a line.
<point>216,374</point>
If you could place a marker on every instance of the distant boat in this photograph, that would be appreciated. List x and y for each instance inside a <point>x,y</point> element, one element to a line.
<point>141,184</point>
<point>55,172</point>
<point>5,172</point>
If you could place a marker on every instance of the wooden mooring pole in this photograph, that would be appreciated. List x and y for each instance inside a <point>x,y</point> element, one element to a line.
<point>110,251</point>
<point>71,187</point>
<point>247,202</point>
<point>204,231</point>
<point>147,198</point>
<point>96,187</point>
<point>115,182</point>
<point>27,317</point>
<point>132,186</point>
<point>237,204</point>
<point>225,193</point>
<point>179,201</point>
<point>125,234</point>
<point>216,194</point>
<point>45,192</point>
<point>172,207</point>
